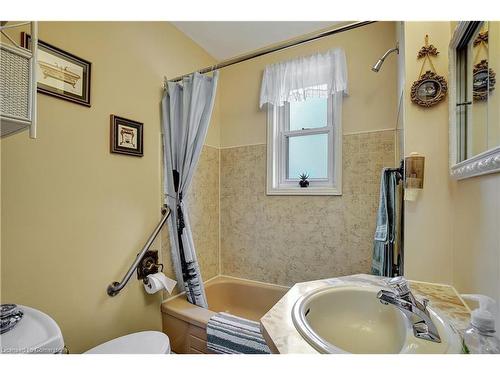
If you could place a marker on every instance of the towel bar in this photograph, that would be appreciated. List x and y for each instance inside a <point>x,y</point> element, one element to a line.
<point>115,287</point>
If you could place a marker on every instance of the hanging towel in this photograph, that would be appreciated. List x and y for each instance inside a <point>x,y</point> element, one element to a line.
<point>385,232</point>
<point>229,334</point>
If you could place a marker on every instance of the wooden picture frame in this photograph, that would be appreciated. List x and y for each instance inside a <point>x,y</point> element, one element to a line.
<point>126,136</point>
<point>61,74</point>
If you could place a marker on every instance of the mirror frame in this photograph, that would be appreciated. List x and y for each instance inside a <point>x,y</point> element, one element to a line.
<point>484,163</point>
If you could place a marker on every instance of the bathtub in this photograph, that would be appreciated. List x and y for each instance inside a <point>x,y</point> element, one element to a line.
<point>186,324</point>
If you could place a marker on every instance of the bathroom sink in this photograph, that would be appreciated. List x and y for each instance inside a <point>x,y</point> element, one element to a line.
<point>35,333</point>
<point>350,319</point>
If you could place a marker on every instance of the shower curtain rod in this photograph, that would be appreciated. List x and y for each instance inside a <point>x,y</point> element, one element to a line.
<point>280,47</point>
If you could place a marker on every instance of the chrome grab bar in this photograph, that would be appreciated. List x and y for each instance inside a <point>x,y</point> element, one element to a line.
<point>115,287</point>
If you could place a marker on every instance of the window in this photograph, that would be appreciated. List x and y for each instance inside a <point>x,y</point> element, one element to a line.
<point>304,104</point>
<point>304,137</point>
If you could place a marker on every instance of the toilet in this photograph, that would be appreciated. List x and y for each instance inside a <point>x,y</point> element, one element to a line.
<point>147,342</point>
<point>37,332</point>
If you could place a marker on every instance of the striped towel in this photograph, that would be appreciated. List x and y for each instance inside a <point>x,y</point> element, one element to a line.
<point>229,334</point>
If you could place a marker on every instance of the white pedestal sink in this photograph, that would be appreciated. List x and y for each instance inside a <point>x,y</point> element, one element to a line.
<point>36,333</point>
<point>350,319</point>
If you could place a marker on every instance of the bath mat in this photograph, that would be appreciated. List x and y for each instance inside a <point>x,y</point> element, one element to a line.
<point>230,334</point>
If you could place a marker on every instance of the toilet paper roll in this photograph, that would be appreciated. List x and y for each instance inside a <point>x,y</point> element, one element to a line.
<point>158,281</point>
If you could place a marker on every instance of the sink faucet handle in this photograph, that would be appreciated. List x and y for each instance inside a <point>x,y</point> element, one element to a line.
<point>425,302</point>
<point>400,285</point>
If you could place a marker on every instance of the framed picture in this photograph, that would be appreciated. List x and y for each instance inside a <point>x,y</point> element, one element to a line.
<point>483,80</point>
<point>60,73</point>
<point>429,89</point>
<point>126,136</point>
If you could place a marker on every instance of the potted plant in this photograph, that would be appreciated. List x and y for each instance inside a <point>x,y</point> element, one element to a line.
<point>303,180</point>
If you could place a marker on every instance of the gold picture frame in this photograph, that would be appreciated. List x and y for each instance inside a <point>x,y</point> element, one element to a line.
<point>429,90</point>
<point>483,81</point>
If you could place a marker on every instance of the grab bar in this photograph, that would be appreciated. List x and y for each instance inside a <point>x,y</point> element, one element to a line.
<point>115,287</point>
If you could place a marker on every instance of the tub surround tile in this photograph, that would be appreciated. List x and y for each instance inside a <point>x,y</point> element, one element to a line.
<point>203,203</point>
<point>282,336</point>
<point>204,211</point>
<point>283,239</point>
<point>289,239</point>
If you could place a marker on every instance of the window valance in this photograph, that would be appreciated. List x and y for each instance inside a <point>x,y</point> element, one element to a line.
<point>316,76</point>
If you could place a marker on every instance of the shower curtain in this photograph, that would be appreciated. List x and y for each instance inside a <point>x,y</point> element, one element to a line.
<point>186,110</point>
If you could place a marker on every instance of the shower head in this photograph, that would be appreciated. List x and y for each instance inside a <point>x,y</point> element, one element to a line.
<point>376,67</point>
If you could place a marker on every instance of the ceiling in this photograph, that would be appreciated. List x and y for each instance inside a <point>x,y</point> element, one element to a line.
<point>224,40</point>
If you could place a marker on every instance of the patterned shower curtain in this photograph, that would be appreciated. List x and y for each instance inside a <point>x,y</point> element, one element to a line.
<point>186,110</point>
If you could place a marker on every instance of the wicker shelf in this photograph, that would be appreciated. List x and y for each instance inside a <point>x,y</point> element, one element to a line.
<point>17,84</point>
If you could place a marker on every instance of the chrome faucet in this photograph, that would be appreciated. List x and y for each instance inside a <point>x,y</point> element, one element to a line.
<point>416,311</point>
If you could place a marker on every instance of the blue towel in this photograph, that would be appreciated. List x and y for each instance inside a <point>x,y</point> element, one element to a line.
<point>229,334</point>
<point>385,232</point>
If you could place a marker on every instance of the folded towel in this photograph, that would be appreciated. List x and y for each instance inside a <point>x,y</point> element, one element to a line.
<point>10,315</point>
<point>229,334</point>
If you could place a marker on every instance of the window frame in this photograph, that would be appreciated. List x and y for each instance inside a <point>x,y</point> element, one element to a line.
<point>278,133</point>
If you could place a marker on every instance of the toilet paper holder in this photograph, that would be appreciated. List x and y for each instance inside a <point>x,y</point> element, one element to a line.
<point>148,265</point>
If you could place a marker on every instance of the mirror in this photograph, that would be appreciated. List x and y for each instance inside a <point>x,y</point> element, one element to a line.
<point>474,100</point>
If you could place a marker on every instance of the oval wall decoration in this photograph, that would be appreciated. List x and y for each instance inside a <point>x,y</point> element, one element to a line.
<point>429,89</point>
<point>483,80</point>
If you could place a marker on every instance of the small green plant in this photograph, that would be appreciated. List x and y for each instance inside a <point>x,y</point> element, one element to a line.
<point>465,349</point>
<point>303,180</point>
<point>303,176</point>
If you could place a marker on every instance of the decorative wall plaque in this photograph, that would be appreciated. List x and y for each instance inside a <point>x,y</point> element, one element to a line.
<point>430,88</point>
<point>61,74</point>
<point>126,136</point>
<point>483,77</point>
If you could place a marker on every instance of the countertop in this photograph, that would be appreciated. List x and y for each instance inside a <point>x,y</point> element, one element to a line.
<point>282,337</point>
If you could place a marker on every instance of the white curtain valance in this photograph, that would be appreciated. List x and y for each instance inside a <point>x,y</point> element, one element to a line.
<point>315,76</point>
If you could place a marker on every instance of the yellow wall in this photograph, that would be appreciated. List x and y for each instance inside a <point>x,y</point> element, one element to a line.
<point>372,100</point>
<point>476,201</point>
<point>476,258</point>
<point>74,215</point>
<point>451,232</point>
<point>428,221</point>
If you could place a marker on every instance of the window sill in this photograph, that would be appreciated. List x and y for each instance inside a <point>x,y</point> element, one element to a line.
<point>304,191</point>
